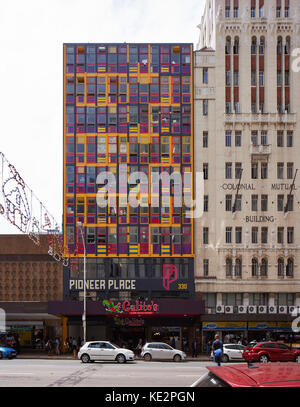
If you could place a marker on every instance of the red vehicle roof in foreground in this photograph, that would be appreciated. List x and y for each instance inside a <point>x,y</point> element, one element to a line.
<point>276,374</point>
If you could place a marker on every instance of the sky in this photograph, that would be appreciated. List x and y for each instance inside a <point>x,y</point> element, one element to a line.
<point>32,34</point>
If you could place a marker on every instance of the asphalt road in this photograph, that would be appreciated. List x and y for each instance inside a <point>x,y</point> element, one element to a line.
<point>69,373</point>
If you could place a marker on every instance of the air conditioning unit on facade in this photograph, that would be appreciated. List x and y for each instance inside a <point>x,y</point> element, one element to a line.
<point>220,309</point>
<point>262,309</point>
<point>294,310</point>
<point>228,309</point>
<point>252,309</point>
<point>242,309</point>
<point>272,309</point>
<point>282,309</point>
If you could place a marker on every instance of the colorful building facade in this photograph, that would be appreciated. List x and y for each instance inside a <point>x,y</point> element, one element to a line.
<point>128,122</point>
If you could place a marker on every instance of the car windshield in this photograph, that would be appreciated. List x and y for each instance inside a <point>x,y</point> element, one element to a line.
<point>116,346</point>
<point>211,380</point>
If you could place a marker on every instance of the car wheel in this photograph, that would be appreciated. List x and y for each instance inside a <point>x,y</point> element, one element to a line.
<point>120,358</point>
<point>177,358</point>
<point>85,358</point>
<point>225,358</point>
<point>147,357</point>
<point>263,359</point>
<point>297,359</point>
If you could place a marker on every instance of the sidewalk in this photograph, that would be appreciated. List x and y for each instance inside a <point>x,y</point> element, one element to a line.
<point>40,354</point>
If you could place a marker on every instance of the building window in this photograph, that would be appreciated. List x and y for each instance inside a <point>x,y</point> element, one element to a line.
<point>279,78</point>
<point>264,170</point>
<point>205,235</point>
<point>205,267</point>
<point>253,12</point>
<point>284,299</point>
<point>280,170</point>
<point>289,139</point>
<point>228,203</point>
<point>254,270</point>
<point>238,170</point>
<point>290,235</point>
<point>264,203</point>
<point>238,268</point>
<point>264,267</point>
<point>205,75</point>
<point>228,267</point>
<point>228,138</point>
<point>238,235</point>
<point>236,45</point>
<point>280,235</point>
<point>205,170</point>
<point>235,12</point>
<point>264,235</point>
<point>264,138</point>
<point>254,138</point>
<point>228,78</point>
<point>290,268</point>
<point>254,203</point>
<point>280,139</point>
<point>280,203</point>
<point>261,78</point>
<point>290,203</point>
<point>280,267</point>
<point>254,234</point>
<point>228,235</point>
<point>238,138</point>
<point>290,170</point>
<point>228,170</point>
<point>278,11</point>
<point>232,299</point>
<point>258,298</point>
<point>228,107</point>
<point>254,170</point>
<point>227,12</point>
<point>205,107</point>
<point>238,203</point>
<point>205,203</point>
<point>261,11</point>
<point>236,107</point>
<point>205,139</point>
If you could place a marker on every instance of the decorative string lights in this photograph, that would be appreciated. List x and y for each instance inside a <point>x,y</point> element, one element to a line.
<point>20,206</point>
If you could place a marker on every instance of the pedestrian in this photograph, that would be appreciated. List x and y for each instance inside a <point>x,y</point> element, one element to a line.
<point>139,347</point>
<point>49,346</point>
<point>208,348</point>
<point>173,342</point>
<point>240,342</point>
<point>194,348</point>
<point>74,347</point>
<point>78,343</point>
<point>57,346</point>
<point>217,348</point>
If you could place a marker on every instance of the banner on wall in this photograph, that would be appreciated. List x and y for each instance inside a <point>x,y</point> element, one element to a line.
<point>225,326</point>
<point>262,326</point>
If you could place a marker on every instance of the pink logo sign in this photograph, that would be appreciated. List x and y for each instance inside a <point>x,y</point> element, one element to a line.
<point>170,274</point>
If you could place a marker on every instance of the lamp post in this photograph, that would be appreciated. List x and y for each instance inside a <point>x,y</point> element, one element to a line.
<point>79,224</point>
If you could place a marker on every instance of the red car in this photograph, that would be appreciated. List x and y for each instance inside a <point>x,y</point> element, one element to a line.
<point>243,375</point>
<point>264,352</point>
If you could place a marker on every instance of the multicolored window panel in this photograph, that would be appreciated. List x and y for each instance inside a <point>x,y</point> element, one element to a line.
<point>128,121</point>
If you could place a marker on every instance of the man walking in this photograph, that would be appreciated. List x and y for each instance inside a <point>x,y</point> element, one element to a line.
<point>217,348</point>
<point>194,349</point>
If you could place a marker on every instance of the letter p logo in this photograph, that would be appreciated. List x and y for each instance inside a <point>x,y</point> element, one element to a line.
<point>170,274</point>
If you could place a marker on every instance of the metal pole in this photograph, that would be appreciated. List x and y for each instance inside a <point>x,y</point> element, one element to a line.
<point>84,284</point>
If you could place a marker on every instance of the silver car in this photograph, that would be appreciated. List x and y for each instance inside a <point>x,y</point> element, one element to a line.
<point>103,350</point>
<point>159,350</point>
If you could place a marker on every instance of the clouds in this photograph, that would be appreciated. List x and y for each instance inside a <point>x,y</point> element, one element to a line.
<point>31,36</point>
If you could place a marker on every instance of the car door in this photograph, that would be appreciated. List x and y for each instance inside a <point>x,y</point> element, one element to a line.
<point>232,351</point>
<point>273,352</point>
<point>239,351</point>
<point>158,351</point>
<point>153,348</point>
<point>94,350</point>
<point>167,351</point>
<point>108,351</point>
<point>285,353</point>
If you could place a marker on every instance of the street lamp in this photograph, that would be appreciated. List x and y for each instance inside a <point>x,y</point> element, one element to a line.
<point>79,224</point>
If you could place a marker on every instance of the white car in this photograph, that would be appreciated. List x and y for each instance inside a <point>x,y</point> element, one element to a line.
<point>103,350</point>
<point>232,351</point>
<point>159,350</point>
